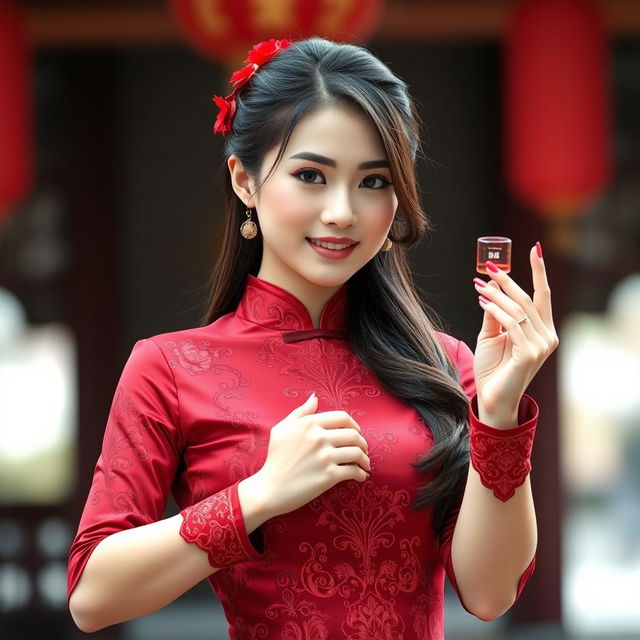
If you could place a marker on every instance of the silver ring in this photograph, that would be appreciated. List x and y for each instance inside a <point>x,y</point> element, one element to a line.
<point>525,319</point>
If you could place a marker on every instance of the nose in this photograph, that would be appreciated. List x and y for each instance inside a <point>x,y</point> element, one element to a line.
<point>338,209</point>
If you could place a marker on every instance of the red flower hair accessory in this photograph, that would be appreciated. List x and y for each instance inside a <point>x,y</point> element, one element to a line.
<point>259,55</point>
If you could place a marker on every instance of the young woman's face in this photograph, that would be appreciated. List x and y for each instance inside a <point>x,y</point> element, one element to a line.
<point>332,181</point>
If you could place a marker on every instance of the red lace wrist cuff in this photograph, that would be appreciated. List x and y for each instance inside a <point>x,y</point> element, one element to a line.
<point>502,457</point>
<point>216,525</point>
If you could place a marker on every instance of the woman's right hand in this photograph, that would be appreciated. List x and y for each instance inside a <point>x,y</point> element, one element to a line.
<point>309,453</point>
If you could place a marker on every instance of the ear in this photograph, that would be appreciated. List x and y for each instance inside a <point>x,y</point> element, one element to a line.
<point>241,181</point>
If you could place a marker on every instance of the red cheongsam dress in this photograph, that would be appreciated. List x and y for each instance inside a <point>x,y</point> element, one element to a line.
<point>191,417</point>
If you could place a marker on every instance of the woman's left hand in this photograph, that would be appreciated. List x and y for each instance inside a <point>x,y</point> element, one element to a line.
<point>509,352</point>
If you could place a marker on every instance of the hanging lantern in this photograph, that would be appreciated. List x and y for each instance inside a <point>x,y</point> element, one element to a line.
<point>224,30</point>
<point>15,109</point>
<point>558,154</point>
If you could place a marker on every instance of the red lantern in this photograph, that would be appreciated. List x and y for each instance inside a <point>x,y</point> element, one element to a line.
<point>225,30</point>
<point>15,109</point>
<point>557,105</point>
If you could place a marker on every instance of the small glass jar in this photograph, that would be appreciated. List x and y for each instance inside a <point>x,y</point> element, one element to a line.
<point>496,249</point>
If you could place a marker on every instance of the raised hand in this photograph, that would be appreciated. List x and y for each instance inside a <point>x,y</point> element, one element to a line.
<point>516,337</point>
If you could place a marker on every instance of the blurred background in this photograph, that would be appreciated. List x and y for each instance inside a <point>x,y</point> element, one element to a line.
<point>110,217</point>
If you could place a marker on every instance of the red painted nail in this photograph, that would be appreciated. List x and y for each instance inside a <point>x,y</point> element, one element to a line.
<point>483,299</point>
<point>482,283</point>
<point>539,249</point>
<point>492,267</point>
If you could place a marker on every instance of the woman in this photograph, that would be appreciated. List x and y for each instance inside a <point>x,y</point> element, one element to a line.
<point>316,430</point>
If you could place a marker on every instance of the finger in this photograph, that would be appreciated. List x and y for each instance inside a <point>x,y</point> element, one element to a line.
<point>509,322</point>
<point>541,290</point>
<point>307,407</point>
<point>347,437</point>
<point>490,326</point>
<point>513,310</point>
<point>351,455</point>
<point>492,292</point>
<point>521,297</point>
<point>335,420</point>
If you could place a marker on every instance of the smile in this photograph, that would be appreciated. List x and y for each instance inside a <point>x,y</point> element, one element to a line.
<point>330,245</point>
<point>326,250</point>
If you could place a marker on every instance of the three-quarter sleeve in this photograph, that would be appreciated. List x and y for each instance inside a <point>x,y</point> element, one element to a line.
<point>140,452</point>
<point>216,525</point>
<point>527,419</point>
<point>142,449</point>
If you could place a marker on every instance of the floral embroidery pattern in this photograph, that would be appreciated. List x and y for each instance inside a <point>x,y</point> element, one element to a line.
<point>271,306</point>
<point>327,367</point>
<point>501,458</point>
<point>426,621</point>
<point>304,620</point>
<point>381,444</point>
<point>211,525</point>
<point>196,359</point>
<point>335,311</point>
<point>360,518</point>
<point>229,383</point>
<point>267,310</point>
<point>244,631</point>
<point>421,430</point>
<point>123,437</point>
<point>202,357</point>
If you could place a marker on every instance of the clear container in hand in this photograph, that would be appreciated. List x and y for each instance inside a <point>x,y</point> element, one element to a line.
<point>496,249</point>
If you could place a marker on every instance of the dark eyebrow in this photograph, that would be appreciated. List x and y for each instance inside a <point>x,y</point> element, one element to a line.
<point>314,157</point>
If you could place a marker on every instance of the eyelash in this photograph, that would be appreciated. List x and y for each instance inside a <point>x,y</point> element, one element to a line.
<point>297,174</point>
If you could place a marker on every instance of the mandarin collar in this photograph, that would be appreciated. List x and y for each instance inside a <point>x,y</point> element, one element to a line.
<point>273,307</point>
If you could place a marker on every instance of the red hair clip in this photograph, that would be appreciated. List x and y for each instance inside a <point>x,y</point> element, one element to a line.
<point>258,56</point>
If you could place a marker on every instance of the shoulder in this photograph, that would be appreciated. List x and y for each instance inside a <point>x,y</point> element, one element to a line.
<point>462,357</point>
<point>216,331</point>
<point>191,350</point>
<point>449,342</point>
<point>455,347</point>
<point>180,335</point>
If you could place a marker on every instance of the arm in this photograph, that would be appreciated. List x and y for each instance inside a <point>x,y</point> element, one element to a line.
<point>137,571</point>
<point>125,561</point>
<point>489,545</point>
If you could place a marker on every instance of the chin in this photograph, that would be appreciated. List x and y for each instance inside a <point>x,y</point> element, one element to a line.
<point>334,280</point>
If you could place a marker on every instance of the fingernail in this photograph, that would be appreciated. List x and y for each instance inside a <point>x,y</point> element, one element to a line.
<point>492,267</point>
<point>539,249</point>
<point>480,283</point>
<point>483,299</point>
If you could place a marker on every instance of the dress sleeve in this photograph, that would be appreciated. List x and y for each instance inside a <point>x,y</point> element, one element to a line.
<point>140,452</point>
<point>527,416</point>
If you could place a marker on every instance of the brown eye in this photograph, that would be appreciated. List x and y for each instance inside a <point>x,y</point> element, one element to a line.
<point>309,173</point>
<point>383,182</point>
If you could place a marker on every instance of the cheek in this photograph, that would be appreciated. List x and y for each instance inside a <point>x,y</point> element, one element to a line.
<point>383,210</point>
<point>285,202</point>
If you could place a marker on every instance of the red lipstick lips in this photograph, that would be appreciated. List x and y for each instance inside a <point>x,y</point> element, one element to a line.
<point>332,254</point>
<point>335,240</point>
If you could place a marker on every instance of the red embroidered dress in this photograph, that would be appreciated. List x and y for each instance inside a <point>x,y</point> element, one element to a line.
<point>191,415</point>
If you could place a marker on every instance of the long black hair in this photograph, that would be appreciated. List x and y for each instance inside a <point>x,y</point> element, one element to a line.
<point>392,331</point>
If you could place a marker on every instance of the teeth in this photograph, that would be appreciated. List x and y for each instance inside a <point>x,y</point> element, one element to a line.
<point>329,245</point>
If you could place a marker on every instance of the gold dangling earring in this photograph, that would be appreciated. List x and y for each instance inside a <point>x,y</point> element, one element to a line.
<point>248,228</point>
<point>387,245</point>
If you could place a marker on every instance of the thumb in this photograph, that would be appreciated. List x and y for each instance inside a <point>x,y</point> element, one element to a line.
<point>308,406</point>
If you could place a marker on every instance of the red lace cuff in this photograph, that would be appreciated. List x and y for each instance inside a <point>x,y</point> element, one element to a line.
<point>216,525</point>
<point>502,457</point>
